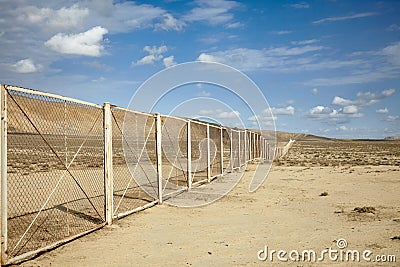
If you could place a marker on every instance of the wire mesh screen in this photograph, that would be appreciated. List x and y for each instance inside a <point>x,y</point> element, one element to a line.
<point>199,151</point>
<point>138,144</point>
<point>55,170</point>
<point>247,142</point>
<point>215,151</point>
<point>257,142</point>
<point>226,141</point>
<point>234,136</point>
<point>242,148</point>
<point>254,145</point>
<point>174,154</point>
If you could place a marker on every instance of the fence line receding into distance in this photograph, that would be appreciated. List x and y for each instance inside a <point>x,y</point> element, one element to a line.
<point>69,167</point>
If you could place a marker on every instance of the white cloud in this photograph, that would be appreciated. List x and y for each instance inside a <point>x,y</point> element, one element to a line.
<point>393,27</point>
<point>126,16</point>
<point>234,25</point>
<point>354,16</point>
<point>383,63</point>
<point>343,128</point>
<point>388,92</point>
<point>88,43</point>
<point>300,5</point>
<point>274,59</point>
<point>392,118</point>
<point>392,53</point>
<point>326,113</point>
<point>29,24</point>
<point>338,101</point>
<point>293,51</point>
<point>149,59</point>
<point>281,32</point>
<point>364,98</point>
<point>26,66</point>
<point>209,58</point>
<point>213,12</point>
<point>305,42</point>
<point>283,111</point>
<point>314,91</point>
<point>154,55</point>
<point>154,50</point>
<point>60,19</point>
<point>169,61</point>
<point>350,109</point>
<point>381,95</point>
<point>382,111</point>
<point>320,110</point>
<point>220,114</point>
<point>170,23</point>
<point>228,115</point>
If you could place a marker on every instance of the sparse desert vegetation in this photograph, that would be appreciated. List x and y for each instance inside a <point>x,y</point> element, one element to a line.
<point>343,153</point>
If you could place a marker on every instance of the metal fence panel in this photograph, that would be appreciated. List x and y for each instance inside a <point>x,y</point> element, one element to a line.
<point>55,170</point>
<point>226,140</point>
<point>215,151</point>
<point>133,151</point>
<point>174,155</point>
<point>199,151</point>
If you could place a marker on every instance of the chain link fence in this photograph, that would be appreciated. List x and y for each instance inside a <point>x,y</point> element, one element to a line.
<point>54,184</point>
<point>69,167</point>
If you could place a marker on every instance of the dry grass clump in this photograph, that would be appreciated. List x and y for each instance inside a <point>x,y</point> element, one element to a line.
<point>365,209</point>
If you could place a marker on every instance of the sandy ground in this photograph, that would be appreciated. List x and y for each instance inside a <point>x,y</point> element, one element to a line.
<point>286,213</point>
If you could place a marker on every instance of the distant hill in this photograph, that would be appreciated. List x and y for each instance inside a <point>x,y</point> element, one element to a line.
<point>285,137</point>
<point>392,138</point>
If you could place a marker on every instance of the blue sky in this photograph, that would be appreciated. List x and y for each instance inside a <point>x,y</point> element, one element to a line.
<point>328,68</point>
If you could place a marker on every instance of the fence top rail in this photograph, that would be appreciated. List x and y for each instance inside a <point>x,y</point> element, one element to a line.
<point>39,93</point>
<point>133,111</point>
<point>77,101</point>
<point>173,117</point>
<point>201,122</point>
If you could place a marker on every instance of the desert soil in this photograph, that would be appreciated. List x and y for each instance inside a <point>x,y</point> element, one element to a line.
<point>304,204</point>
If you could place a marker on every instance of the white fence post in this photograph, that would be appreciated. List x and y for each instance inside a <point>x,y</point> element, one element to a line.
<point>3,158</point>
<point>253,139</point>
<point>108,164</point>
<point>239,154</point>
<point>159,157</point>
<point>265,149</point>
<point>189,155</point>
<point>222,149</point>
<point>245,146</point>
<point>231,150</point>
<point>208,154</point>
<point>250,146</point>
<point>262,147</point>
